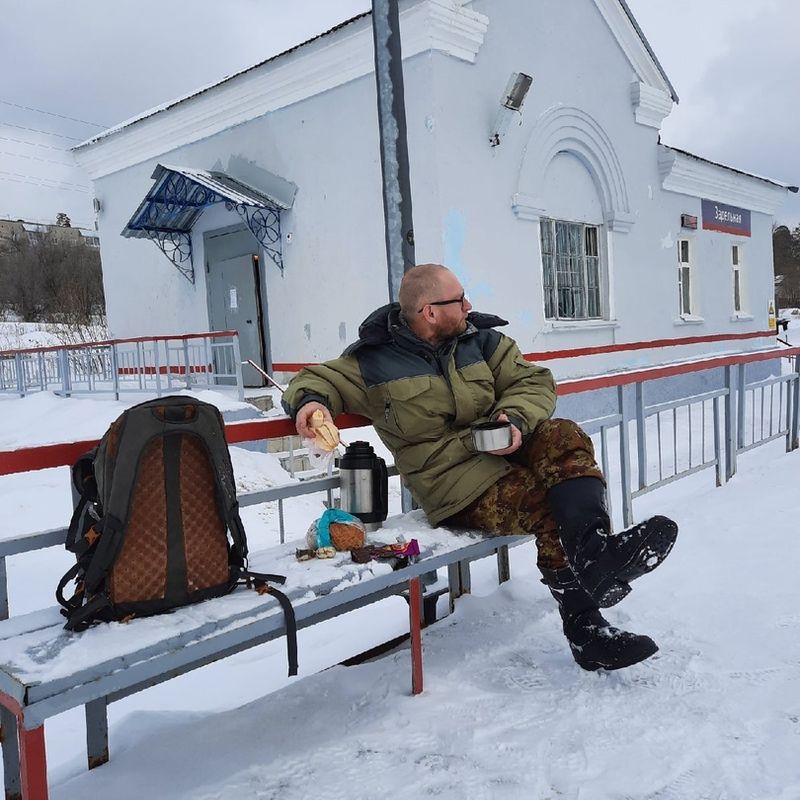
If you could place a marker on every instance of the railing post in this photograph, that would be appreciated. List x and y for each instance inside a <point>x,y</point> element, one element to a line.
<point>730,424</point>
<point>115,370</point>
<point>641,434</point>
<point>237,362</point>
<point>186,364</point>
<point>741,406</point>
<point>795,404</point>
<point>157,367</point>
<point>140,365</point>
<point>66,378</point>
<point>625,458</point>
<point>20,374</point>
<point>717,444</point>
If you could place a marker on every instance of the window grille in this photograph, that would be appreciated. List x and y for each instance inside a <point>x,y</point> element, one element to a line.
<point>570,270</point>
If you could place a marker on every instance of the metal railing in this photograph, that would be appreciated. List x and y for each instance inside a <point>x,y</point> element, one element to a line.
<point>150,364</point>
<point>681,437</point>
<point>667,440</point>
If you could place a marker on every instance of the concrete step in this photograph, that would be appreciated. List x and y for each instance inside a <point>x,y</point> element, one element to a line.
<point>283,444</point>
<point>299,462</point>
<point>261,402</point>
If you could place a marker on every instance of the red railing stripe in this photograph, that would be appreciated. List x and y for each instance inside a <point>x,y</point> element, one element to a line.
<point>63,454</point>
<point>179,337</point>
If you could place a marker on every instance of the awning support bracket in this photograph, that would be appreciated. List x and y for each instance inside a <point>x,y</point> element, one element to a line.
<point>177,247</point>
<point>265,224</point>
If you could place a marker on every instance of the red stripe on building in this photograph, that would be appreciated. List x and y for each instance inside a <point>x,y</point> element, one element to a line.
<point>713,226</point>
<point>549,355</point>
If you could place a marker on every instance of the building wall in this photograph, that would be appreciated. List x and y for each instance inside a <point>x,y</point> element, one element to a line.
<point>464,198</point>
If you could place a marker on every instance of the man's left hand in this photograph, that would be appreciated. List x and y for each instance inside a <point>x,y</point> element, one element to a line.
<point>516,438</point>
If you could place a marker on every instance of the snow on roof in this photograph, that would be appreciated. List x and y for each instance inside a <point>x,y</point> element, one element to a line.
<point>731,169</point>
<point>172,103</point>
<point>649,49</point>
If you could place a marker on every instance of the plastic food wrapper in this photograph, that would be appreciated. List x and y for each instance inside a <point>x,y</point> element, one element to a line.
<point>401,553</point>
<point>338,529</point>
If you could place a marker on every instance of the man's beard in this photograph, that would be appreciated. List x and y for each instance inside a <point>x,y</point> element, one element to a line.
<point>450,331</point>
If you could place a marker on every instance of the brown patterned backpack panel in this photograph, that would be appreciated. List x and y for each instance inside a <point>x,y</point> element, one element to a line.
<point>170,532</point>
<point>157,522</point>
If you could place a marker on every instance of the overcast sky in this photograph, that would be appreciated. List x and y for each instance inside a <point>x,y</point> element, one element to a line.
<point>68,70</point>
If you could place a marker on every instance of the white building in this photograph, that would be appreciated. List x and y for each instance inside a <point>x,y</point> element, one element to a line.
<point>579,227</point>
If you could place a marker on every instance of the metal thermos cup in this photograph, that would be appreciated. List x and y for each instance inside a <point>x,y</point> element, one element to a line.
<point>364,485</point>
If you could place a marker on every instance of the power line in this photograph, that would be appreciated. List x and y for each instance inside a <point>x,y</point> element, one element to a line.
<point>38,130</point>
<point>18,177</point>
<point>36,158</point>
<point>33,144</point>
<point>45,186</point>
<point>53,114</point>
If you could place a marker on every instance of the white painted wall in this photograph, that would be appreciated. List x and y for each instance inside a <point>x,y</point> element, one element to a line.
<point>463,197</point>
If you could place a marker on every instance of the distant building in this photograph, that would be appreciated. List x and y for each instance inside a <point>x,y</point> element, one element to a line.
<point>255,204</point>
<point>19,229</point>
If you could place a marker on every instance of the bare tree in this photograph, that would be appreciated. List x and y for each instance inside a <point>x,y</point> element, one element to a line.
<point>47,277</point>
<point>786,256</point>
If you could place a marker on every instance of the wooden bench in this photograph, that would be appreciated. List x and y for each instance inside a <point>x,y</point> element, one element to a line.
<point>45,670</point>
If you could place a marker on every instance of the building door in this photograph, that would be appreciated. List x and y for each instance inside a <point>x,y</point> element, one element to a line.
<point>233,280</point>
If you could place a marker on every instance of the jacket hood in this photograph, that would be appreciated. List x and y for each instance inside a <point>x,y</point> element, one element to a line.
<point>377,327</point>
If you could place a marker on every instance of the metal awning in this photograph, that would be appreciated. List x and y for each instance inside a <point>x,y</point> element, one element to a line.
<point>178,197</point>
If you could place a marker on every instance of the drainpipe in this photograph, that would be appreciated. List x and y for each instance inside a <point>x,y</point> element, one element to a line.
<point>394,145</point>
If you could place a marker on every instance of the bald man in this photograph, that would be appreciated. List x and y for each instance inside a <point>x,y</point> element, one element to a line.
<point>425,370</point>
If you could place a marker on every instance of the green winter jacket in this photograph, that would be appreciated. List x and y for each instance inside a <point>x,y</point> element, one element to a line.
<point>422,401</point>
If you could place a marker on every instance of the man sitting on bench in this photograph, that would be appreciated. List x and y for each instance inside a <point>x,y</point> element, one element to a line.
<point>427,369</point>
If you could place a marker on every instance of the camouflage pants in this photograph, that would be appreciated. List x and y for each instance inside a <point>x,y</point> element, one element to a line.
<point>557,451</point>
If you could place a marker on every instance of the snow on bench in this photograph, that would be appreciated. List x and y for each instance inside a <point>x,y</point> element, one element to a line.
<point>45,670</point>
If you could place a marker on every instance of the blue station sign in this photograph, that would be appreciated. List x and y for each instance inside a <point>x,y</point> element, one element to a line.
<point>727,219</point>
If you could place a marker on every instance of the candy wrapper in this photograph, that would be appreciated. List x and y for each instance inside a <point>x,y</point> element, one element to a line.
<point>400,553</point>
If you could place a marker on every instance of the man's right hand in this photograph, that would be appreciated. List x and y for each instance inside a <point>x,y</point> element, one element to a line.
<point>303,419</point>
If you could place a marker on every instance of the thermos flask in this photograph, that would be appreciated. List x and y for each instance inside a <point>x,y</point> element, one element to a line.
<point>364,483</point>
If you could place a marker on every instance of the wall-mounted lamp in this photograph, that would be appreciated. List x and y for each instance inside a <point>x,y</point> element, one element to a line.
<point>96,205</point>
<point>689,221</point>
<point>510,104</point>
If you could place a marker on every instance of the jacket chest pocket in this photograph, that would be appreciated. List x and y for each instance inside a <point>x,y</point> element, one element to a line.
<point>407,404</point>
<point>477,395</point>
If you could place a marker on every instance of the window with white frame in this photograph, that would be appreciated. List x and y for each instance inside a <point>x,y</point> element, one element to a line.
<point>736,265</point>
<point>570,270</point>
<point>685,277</point>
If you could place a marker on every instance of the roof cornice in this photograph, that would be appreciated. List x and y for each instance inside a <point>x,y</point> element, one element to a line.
<point>652,95</point>
<point>686,174</point>
<point>320,65</point>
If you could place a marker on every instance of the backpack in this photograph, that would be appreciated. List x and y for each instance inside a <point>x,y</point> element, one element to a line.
<point>157,524</point>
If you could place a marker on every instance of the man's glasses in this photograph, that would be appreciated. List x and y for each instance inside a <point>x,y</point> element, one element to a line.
<point>459,300</point>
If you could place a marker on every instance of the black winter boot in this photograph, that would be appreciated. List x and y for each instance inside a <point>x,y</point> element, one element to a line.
<point>595,644</point>
<point>605,564</point>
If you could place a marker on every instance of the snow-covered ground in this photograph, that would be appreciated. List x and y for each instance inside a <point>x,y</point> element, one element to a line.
<point>505,713</point>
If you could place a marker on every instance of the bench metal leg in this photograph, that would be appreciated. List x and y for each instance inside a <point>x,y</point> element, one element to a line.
<point>3,589</point>
<point>33,763</point>
<point>8,736</point>
<point>97,732</point>
<point>503,565</point>
<point>459,579</point>
<point>415,615</point>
